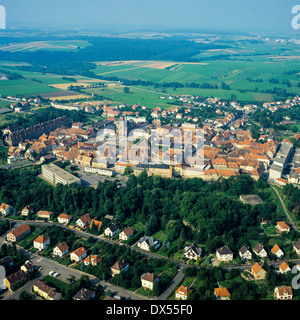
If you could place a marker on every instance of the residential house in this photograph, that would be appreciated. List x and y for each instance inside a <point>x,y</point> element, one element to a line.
<point>182,293</point>
<point>84,294</point>
<point>245,253</point>
<point>284,268</point>
<point>282,227</point>
<point>78,255</point>
<point>44,214</point>
<point>258,272</point>
<point>91,259</point>
<point>27,267</point>
<point>148,280</point>
<point>224,254</point>
<point>61,250</point>
<point>222,293</point>
<point>297,247</point>
<point>118,267</point>
<point>64,218</point>
<point>45,291</point>
<point>192,252</point>
<point>146,243</point>
<point>84,221</point>
<point>41,242</point>
<point>277,251</point>
<point>19,233</point>
<point>283,293</point>
<point>7,261</point>
<point>96,224</point>
<point>26,211</point>
<point>259,250</point>
<point>126,234</point>
<point>15,279</point>
<point>6,209</point>
<point>111,230</point>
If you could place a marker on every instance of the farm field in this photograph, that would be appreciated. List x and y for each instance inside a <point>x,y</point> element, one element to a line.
<point>45,45</point>
<point>251,72</point>
<point>23,87</point>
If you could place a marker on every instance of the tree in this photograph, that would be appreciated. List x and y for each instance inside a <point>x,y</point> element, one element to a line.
<point>126,90</point>
<point>24,295</point>
<point>127,170</point>
<point>156,288</point>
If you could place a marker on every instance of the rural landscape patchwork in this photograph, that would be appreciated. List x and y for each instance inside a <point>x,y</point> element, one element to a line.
<point>147,164</point>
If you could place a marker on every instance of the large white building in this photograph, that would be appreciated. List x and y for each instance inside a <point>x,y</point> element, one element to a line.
<point>55,174</point>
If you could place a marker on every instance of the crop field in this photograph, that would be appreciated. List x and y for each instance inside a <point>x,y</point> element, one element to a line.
<point>251,72</point>
<point>147,96</point>
<point>248,70</point>
<point>45,45</point>
<point>23,87</point>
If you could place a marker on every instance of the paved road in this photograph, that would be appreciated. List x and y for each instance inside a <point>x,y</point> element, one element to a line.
<point>65,272</point>
<point>49,265</point>
<point>17,165</point>
<point>285,211</point>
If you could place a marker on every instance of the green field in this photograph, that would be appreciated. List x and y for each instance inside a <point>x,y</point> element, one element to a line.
<point>248,69</point>
<point>23,87</point>
<point>45,45</point>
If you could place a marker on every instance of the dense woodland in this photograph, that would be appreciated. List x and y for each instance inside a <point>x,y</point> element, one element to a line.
<point>208,213</point>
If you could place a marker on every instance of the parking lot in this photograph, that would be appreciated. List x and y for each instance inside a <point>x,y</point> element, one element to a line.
<point>90,179</point>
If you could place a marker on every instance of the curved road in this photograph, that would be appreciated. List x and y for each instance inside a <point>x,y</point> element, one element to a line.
<point>285,211</point>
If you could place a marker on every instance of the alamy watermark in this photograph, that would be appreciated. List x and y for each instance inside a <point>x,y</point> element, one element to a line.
<point>296,18</point>
<point>2,275</point>
<point>155,146</point>
<point>2,17</point>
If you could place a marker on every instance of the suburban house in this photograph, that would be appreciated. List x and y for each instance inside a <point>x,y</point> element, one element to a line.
<point>245,253</point>
<point>277,251</point>
<point>259,250</point>
<point>6,209</point>
<point>7,261</point>
<point>283,293</point>
<point>64,218</point>
<point>41,242</point>
<point>84,294</point>
<point>15,279</point>
<point>61,250</point>
<point>148,280</point>
<point>182,293</point>
<point>96,224</point>
<point>284,268</point>
<point>282,227</point>
<point>84,221</point>
<point>146,243</point>
<point>19,233</point>
<point>44,214</point>
<point>91,259</point>
<point>258,272</point>
<point>224,254</point>
<point>27,267</point>
<point>119,267</point>
<point>111,230</point>
<point>297,247</point>
<point>78,255</point>
<point>45,291</point>
<point>192,252</point>
<point>26,211</point>
<point>126,234</point>
<point>222,293</point>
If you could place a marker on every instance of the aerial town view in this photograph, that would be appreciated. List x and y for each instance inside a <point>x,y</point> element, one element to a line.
<point>149,155</point>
